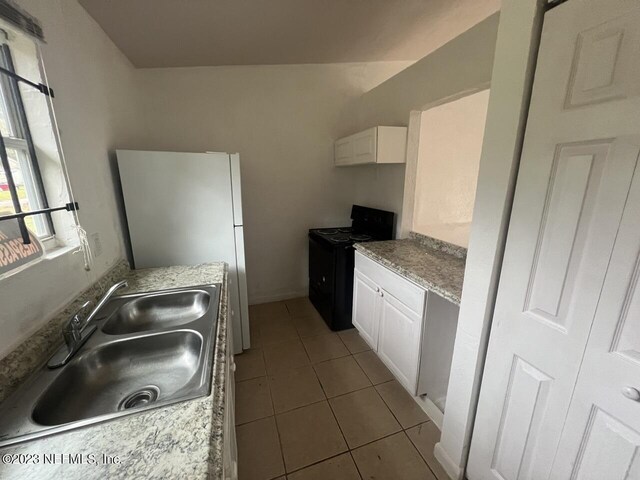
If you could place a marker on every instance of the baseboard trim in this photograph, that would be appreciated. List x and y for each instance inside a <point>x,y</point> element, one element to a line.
<point>450,467</point>
<point>276,297</point>
<point>431,410</point>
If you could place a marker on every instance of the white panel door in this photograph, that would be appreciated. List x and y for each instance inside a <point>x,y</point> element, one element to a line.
<point>399,340</point>
<point>366,298</point>
<point>580,152</point>
<point>601,438</point>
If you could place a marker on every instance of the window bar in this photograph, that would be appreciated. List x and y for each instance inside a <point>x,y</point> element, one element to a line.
<point>27,136</point>
<point>41,87</point>
<point>69,207</point>
<point>14,192</point>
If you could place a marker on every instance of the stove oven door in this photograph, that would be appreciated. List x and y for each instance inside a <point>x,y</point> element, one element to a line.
<point>321,278</point>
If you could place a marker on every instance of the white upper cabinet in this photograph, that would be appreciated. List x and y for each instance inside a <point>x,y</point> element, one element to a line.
<point>375,145</point>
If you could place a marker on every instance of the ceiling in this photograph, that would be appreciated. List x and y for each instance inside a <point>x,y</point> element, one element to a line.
<point>183,33</point>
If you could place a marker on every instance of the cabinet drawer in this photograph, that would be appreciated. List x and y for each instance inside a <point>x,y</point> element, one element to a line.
<point>407,292</point>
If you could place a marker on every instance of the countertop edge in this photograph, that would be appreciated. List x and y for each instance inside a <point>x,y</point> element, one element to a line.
<point>421,282</point>
<point>205,458</point>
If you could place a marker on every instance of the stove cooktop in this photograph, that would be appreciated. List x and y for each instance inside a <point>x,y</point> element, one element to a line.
<point>341,235</point>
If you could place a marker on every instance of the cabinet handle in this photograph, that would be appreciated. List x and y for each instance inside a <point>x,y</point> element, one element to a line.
<point>631,393</point>
<point>377,289</point>
<point>382,294</point>
<point>233,367</point>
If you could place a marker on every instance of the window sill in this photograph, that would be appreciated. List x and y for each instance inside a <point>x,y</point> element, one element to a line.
<point>59,250</point>
<point>52,254</point>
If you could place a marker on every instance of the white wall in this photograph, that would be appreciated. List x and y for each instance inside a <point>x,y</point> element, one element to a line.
<point>96,105</point>
<point>463,64</point>
<point>447,171</point>
<point>283,121</point>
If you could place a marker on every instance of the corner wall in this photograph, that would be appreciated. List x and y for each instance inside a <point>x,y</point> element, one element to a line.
<point>463,65</point>
<point>283,120</point>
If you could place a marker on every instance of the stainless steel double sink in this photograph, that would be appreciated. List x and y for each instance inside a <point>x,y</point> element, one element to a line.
<point>149,350</point>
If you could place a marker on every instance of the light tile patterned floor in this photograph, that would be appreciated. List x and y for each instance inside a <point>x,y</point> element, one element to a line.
<point>312,404</point>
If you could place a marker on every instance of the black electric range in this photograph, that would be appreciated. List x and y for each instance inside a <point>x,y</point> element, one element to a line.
<point>331,262</point>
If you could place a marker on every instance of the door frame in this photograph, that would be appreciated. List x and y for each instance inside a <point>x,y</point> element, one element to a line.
<point>515,58</point>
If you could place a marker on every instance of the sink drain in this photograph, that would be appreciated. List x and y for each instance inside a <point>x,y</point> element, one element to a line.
<point>140,398</point>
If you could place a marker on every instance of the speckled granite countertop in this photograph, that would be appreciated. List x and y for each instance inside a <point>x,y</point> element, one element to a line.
<point>434,265</point>
<point>183,440</point>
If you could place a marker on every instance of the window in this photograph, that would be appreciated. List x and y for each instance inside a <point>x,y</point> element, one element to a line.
<point>29,192</point>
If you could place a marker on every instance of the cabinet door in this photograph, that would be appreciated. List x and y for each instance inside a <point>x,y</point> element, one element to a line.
<point>343,151</point>
<point>365,146</point>
<point>399,340</point>
<point>366,296</point>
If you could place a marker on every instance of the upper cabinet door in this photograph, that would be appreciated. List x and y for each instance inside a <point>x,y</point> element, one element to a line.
<point>365,146</point>
<point>366,296</point>
<point>374,145</point>
<point>399,340</point>
<point>343,151</point>
<point>563,276</point>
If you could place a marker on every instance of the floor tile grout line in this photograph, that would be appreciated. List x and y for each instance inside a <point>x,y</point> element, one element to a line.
<point>341,433</point>
<point>266,379</point>
<point>351,450</point>
<point>318,462</point>
<point>420,453</point>
<point>344,439</point>
<point>345,393</point>
<point>275,421</point>
<point>389,406</point>
<point>327,399</point>
<point>356,464</point>
<point>365,372</point>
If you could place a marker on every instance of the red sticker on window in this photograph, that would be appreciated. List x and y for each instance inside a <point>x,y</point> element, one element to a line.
<point>14,253</point>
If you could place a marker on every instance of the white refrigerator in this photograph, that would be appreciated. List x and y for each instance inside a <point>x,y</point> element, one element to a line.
<point>186,209</point>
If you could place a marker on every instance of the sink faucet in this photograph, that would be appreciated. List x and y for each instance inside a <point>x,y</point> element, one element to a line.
<point>74,330</point>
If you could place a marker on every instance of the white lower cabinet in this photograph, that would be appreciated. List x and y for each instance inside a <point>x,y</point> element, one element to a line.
<point>366,297</point>
<point>230,447</point>
<point>399,340</point>
<point>411,329</point>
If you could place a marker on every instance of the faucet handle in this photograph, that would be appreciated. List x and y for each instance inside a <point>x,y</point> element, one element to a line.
<point>76,321</point>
